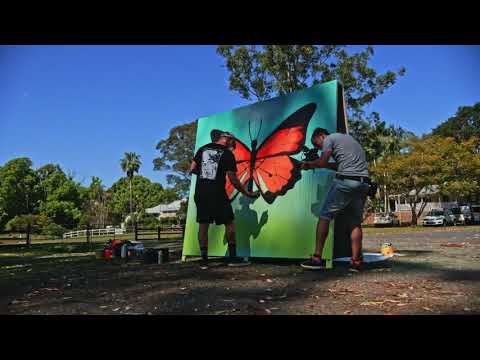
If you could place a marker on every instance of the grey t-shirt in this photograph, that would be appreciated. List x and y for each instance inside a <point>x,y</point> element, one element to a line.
<point>347,153</point>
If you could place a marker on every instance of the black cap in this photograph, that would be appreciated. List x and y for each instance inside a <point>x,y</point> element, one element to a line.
<point>227,134</point>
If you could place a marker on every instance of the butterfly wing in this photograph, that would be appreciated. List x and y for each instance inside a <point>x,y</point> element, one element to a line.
<point>275,172</point>
<point>242,156</point>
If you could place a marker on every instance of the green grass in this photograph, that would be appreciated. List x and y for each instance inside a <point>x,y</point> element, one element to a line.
<point>13,239</point>
<point>418,229</point>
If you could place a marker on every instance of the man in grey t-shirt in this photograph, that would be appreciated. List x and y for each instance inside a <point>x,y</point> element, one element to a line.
<point>347,194</point>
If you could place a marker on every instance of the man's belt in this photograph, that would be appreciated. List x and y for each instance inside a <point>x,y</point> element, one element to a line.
<point>363,179</point>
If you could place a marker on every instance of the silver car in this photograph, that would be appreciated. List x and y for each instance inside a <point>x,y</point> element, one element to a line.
<point>460,217</point>
<point>439,217</point>
<point>475,213</point>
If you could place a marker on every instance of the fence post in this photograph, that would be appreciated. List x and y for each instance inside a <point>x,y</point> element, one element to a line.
<point>28,234</point>
<point>159,230</point>
<point>88,234</point>
<point>136,231</point>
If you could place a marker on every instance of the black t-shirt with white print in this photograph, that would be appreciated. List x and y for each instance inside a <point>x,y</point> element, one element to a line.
<point>213,161</point>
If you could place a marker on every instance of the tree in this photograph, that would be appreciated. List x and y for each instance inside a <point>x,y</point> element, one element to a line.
<point>145,194</point>
<point>464,125</point>
<point>96,208</point>
<point>380,140</point>
<point>61,198</point>
<point>408,174</point>
<point>18,189</point>
<point>261,72</point>
<point>431,163</point>
<point>460,166</point>
<point>130,165</point>
<point>176,154</point>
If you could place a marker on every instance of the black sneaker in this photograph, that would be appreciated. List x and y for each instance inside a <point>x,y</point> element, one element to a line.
<point>237,261</point>
<point>315,263</point>
<point>203,263</point>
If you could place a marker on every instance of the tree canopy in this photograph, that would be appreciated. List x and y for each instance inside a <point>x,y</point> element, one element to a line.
<point>176,154</point>
<point>464,125</point>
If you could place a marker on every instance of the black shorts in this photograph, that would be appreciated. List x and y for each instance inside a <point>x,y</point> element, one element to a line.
<point>210,210</point>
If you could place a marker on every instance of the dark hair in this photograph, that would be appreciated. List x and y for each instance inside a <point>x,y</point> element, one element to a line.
<point>319,131</point>
<point>215,134</point>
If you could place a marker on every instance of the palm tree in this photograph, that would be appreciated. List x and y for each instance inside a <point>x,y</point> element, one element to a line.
<point>130,165</point>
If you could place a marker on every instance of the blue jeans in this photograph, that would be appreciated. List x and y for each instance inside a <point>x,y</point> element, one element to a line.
<point>348,197</point>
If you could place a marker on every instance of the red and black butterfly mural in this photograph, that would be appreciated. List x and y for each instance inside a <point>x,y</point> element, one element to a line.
<point>270,164</point>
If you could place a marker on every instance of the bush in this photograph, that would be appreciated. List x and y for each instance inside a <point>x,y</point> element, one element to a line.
<point>53,229</point>
<point>20,223</point>
<point>149,221</point>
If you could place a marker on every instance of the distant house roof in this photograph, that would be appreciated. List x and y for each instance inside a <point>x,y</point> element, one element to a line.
<point>173,206</point>
<point>428,190</point>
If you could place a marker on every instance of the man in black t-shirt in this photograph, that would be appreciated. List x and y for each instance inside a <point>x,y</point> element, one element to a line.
<point>212,164</point>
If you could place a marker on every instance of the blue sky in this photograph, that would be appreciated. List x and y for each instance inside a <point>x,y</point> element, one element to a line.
<point>84,106</point>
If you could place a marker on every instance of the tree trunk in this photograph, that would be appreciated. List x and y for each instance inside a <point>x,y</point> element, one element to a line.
<point>88,234</point>
<point>385,199</point>
<point>28,235</point>
<point>130,184</point>
<point>414,213</point>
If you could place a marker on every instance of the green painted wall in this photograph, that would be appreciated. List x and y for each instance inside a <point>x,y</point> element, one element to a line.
<point>289,231</point>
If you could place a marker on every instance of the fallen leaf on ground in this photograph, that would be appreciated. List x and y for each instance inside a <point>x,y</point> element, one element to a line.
<point>427,308</point>
<point>269,280</point>
<point>347,312</point>
<point>392,301</point>
<point>103,306</point>
<point>402,304</point>
<point>450,293</point>
<point>404,295</point>
<point>116,309</point>
<point>372,303</point>
<point>261,301</point>
<point>453,245</point>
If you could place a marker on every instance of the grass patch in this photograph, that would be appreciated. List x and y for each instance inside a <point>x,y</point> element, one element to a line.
<point>417,229</point>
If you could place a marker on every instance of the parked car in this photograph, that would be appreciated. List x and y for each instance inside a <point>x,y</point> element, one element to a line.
<point>459,216</point>
<point>386,219</point>
<point>475,213</point>
<point>467,213</point>
<point>439,217</point>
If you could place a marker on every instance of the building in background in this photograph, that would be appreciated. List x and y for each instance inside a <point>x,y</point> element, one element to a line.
<point>166,210</point>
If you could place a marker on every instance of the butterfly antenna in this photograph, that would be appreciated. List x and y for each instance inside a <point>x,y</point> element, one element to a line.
<point>249,132</point>
<point>260,128</point>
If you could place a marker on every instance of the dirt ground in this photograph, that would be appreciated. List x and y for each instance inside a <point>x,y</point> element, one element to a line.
<point>439,274</point>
